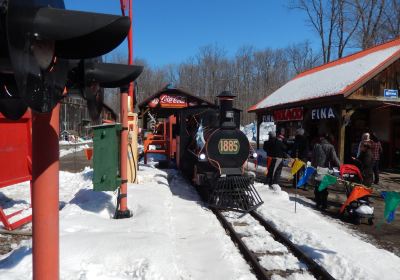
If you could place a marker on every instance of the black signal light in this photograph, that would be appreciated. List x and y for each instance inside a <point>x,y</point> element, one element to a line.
<point>38,37</point>
<point>89,77</point>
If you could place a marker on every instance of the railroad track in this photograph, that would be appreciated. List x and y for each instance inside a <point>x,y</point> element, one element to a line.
<point>267,250</point>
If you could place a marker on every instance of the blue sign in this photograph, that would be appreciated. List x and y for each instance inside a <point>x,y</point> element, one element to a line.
<point>391,93</point>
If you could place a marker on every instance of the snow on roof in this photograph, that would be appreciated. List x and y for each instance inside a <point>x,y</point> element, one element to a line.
<point>335,78</point>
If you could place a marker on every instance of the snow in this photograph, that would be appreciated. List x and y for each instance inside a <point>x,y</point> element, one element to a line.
<point>77,141</point>
<point>172,235</point>
<point>285,262</point>
<point>329,81</point>
<point>342,253</point>
<point>250,130</point>
<point>76,148</point>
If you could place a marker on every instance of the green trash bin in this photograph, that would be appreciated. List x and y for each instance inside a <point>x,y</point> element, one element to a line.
<point>106,150</point>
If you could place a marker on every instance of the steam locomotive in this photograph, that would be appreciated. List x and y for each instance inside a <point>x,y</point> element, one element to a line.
<point>211,151</point>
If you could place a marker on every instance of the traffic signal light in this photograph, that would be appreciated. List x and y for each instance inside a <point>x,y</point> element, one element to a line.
<point>90,76</point>
<point>37,41</point>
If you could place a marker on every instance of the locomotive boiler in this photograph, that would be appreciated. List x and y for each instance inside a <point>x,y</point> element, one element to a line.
<point>212,151</point>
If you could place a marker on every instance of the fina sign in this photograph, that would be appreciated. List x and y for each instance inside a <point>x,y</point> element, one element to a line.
<point>322,113</point>
<point>267,118</point>
<point>391,93</point>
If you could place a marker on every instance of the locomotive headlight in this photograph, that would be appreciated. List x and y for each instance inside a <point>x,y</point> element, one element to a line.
<point>202,156</point>
<point>255,155</point>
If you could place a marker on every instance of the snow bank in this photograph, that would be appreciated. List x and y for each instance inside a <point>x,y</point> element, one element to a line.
<point>250,130</point>
<point>76,148</point>
<point>343,254</point>
<point>173,236</point>
<point>170,236</point>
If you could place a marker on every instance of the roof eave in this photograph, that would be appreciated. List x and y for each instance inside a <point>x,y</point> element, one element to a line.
<point>338,97</point>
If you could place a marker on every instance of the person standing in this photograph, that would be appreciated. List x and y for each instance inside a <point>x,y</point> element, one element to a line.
<point>300,151</point>
<point>275,149</point>
<point>366,161</point>
<point>324,155</point>
<point>364,138</point>
<point>376,149</point>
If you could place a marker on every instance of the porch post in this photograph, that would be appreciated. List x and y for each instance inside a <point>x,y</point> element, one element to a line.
<point>341,135</point>
<point>258,130</point>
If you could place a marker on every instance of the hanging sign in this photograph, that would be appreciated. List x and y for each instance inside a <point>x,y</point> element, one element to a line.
<point>169,101</point>
<point>323,113</point>
<point>391,93</point>
<point>293,114</point>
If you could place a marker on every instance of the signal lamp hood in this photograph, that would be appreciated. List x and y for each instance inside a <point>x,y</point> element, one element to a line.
<point>110,75</point>
<point>81,34</point>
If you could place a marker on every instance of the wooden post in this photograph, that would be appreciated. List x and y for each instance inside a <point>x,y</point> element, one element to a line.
<point>341,135</point>
<point>258,130</point>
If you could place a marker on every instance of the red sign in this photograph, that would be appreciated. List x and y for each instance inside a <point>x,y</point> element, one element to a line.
<point>172,101</point>
<point>15,150</point>
<point>293,114</point>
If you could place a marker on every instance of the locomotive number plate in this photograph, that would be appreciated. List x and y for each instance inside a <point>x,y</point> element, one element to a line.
<point>228,146</point>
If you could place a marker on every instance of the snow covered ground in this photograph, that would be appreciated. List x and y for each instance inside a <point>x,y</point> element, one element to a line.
<point>72,149</point>
<point>250,130</point>
<point>69,147</point>
<point>173,236</point>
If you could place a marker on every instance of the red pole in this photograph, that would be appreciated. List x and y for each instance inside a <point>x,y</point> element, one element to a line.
<point>130,57</point>
<point>45,169</point>
<point>123,211</point>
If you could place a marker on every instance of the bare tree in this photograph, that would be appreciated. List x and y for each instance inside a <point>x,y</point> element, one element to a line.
<point>302,57</point>
<point>371,20</point>
<point>347,23</point>
<point>323,16</point>
<point>391,21</point>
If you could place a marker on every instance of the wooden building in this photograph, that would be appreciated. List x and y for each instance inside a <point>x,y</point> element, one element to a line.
<point>344,98</point>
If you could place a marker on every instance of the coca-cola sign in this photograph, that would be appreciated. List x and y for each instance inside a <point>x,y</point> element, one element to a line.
<point>172,101</point>
<point>153,103</point>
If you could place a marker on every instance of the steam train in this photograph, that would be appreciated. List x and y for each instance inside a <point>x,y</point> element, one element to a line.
<point>211,151</point>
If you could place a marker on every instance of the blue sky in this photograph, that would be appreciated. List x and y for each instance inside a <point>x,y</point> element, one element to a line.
<point>171,31</point>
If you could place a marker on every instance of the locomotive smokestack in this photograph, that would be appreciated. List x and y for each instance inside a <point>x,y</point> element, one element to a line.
<point>227,115</point>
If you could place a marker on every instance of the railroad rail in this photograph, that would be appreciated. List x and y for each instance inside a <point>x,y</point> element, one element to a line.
<point>253,258</point>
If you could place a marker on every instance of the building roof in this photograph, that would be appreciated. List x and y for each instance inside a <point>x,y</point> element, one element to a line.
<point>178,91</point>
<point>339,77</point>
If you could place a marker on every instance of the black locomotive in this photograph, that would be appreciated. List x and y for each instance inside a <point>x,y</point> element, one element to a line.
<point>212,151</point>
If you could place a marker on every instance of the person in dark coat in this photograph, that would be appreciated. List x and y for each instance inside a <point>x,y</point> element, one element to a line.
<point>277,151</point>
<point>376,149</point>
<point>324,155</point>
<point>367,163</point>
<point>300,151</point>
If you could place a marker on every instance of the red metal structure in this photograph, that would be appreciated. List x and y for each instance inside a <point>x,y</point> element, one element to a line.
<point>163,139</point>
<point>163,106</point>
<point>45,194</point>
<point>15,143</point>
